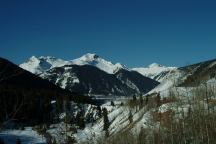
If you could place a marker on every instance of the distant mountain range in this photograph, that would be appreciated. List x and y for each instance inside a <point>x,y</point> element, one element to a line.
<point>90,74</point>
<point>155,71</point>
<point>189,76</point>
<point>43,63</point>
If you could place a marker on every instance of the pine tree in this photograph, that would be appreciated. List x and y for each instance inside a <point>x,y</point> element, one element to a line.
<point>112,103</point>
<point>121,104</point>
<point>130,117</point>
<point>99,111</point>
<point>134,98</point>
<point>158,100</point>
<point>81,123</point>
<point>146,100</point>
<point>106,120</point>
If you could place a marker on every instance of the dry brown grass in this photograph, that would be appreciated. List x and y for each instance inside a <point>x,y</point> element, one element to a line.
<point>164,118</point>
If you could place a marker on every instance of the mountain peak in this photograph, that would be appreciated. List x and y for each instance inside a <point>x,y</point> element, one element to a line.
<point>47,57</point>
<point>33,58</point>
<point>43,63</point>
<point>154,65</point>
<point>94,60</point>
<point>89,56</point>
<point>40,64</point>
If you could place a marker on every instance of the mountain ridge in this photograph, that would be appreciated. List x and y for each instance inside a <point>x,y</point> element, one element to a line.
<point>101,76</point>
<point>40,64</point>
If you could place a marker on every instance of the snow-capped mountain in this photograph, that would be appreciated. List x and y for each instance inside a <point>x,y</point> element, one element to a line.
<point>90,74</point>
<point>154,71</point>
<point>188,76</point>
<point>43,63</point>
<point>95,60</point>
<point>88,79</point>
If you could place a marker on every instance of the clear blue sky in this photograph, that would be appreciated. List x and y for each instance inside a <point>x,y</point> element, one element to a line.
<point>133,32</point>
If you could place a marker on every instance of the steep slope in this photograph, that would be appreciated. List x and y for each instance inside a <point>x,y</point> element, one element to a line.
<point>199,73</point>
<point>173,104</point>
<point>41,64</point>
<point>95,60</point>
<point>136,81</point>
<point>155,71</point>
<point>91,80</point>
<point>188,76</point>
<point>24,95</point>
<point>89,74</point>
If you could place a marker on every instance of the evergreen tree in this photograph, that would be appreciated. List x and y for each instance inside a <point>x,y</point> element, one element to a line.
<point>121,104</point>
<point>158,100</point>
<point>134,98</point>
<point>112,103</point>
<point>130,117</point>
<point>81,123</point>
<point>99,111</point>
<point>105,119</point>
<point>146,100</point>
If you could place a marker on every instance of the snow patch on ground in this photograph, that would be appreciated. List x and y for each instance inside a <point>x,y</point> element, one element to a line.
<point>27,136</point>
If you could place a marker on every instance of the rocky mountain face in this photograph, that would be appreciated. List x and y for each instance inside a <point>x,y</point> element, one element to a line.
<point>199,73</point>
<point>86,79</point>
<point>136,81</point>
<point>188,76</point>
<point>90,74</point>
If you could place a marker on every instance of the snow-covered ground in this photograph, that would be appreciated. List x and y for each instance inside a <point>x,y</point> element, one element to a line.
<point>118,115</point>
<point>27,136</point>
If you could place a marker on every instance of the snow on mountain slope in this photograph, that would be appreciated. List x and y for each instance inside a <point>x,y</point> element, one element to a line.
<point>146,116</point>
<point>90,73</point>
<point>188,76</point>
<point>173,78</point>
<point>174,100</point>
<point>88,79</point>
<point>41,64</point>
<point>154,71</point>
<point>95,60</point>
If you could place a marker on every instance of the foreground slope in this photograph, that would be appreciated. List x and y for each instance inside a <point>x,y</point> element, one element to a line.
<point>24,95</point>
<point>170,113</point>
